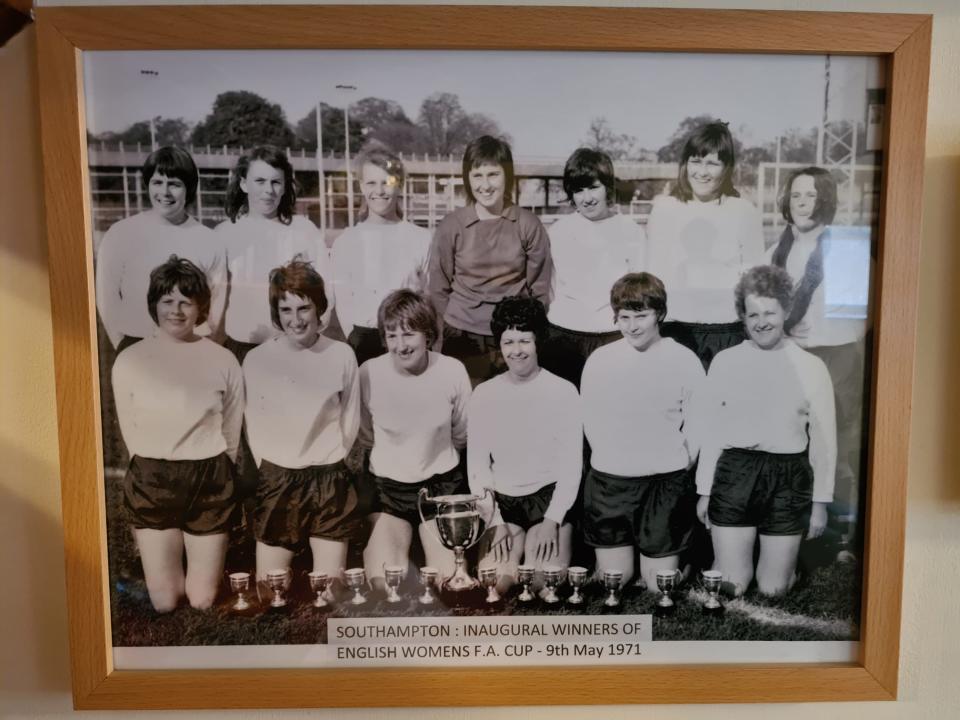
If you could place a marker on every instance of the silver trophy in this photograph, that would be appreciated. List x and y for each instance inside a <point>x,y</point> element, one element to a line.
<point>278,581</point>
<point>459,527</point>
<point>428,578</point>
<point>356,579</point>
<point>577,577</point>
<point>611,583</point>
<point>240,584</point>
<point>525,578</point>
<point>667,581</point>
<point>488,578</point>
<point>552,577</point>
<point>392,577</point>
<point>319,581</point>
<point>712,581</point>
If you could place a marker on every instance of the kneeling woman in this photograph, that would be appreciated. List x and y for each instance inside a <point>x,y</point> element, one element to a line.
<point>415,423</point>
<point>180,405</point>
<point>769,442</point>
<point>303,412</point>
<point>526,444</point>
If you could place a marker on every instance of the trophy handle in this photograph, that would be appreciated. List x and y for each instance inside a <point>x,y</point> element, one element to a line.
<point>487,491</point>
<point>420,497</point>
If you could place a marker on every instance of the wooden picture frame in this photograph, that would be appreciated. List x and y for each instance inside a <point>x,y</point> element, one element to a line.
<point>904,40</point>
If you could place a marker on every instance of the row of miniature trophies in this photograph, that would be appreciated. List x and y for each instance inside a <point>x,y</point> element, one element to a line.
<point>355,579</point>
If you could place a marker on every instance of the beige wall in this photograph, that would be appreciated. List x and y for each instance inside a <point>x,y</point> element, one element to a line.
<point>34,677</point>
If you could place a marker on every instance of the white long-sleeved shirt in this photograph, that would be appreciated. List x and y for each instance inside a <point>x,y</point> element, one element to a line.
<point>817,328</point>
<point>254,246</point>
<point>524,436</point>
<point>699,250</point>
<point>777,401</point>
<point>131,249</point>
<point>303,404</point>
<point>588,257</point>
<point>415,424</point>
<point>370,261</point>
<point>178,400</point>
<point>637,407</point>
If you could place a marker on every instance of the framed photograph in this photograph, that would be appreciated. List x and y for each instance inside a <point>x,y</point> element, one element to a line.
<point>395,362</point>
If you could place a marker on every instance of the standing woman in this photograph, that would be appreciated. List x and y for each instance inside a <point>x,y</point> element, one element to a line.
<point>180,405</point>
<point>263,233</point>
<point>526,444</point>
<point>702,238</point>
<point>482,253</point>
<point>383,253</point>
<point>303,413</point>
<point>132,247</point>
<point>591,248</point>
<point>414,421</point>
<point>769,446</point>
<point>808,204</point>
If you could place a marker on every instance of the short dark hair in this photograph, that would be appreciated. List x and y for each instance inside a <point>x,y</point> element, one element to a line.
<point>173,162</point>
<point>764,281</point>
<point>585,167</point>
<point>825,208</point>
<point>410,310</point>
<point>525,314</point>
<point>488,150</point>
<point>637,292</point>
<point>236,203</point>
<point>183,275</point>
<point>713,137</point>
<point>297,277</point>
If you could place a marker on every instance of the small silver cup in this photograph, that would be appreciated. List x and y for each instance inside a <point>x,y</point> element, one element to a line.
<point>356,579</point>
<point>488,578</point>
<point>667,581</point>
<point>577,577</point>
<point>392,577</point>
<point>552,577</point>
<point>428,578</point>
<point>712,581</point>
<point>278,581</point>
<point>319,581</point>
<point>611,583</point>
<point>240,584</point>
<point>525,577</point>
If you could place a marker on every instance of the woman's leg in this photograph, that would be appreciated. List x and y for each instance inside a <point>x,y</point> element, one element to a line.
<point>271,557</point>
<point>389,544</point>
<point>435,552</point>
<point>776,569</point>
<point>615,558</point>
<point>733,556</point>
<point>507,566</point>
<point>205,555</point>
<point>161,553</point>
<point>330,557</point>
<point>649,567</point>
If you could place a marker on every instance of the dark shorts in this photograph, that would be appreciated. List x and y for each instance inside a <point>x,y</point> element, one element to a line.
<point>525,511</point>
<point>656,512</point>
<point>705,339</point>
<point>294,505</point>
<point>568,350</point>
<point>768,491</point>
<point>479,353</point>
<point>196,496</point>
<point>366,343</point>
<point>400,499</point>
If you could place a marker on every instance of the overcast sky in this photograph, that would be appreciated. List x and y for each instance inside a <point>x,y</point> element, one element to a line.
<point>544,100</point>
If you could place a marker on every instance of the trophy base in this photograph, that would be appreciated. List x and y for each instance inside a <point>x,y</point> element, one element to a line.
<point>709,611</point>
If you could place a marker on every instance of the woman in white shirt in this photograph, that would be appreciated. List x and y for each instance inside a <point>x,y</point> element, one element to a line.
<point>591,248</point>
<point>526,444</point>
<point>262,233</point>
<point>414,422</point>
<point>702,238</point>
<point>382,253</point>
<point>132,247</point>
<point>303,413</point>
<point>180,405</point>
<point>768,450</point>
